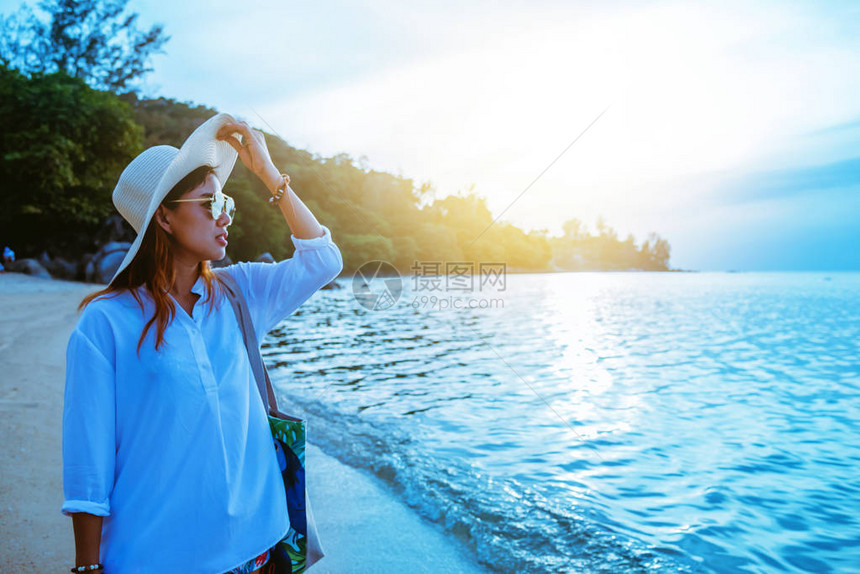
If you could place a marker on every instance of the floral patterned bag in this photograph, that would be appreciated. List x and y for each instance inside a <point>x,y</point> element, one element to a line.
<point>289,438</point>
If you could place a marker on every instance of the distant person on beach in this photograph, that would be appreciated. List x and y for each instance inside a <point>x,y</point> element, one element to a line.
<point>8,257</point>
<point>168,460</point>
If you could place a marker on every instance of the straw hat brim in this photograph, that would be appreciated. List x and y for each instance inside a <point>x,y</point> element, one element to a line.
<point>201,148</point>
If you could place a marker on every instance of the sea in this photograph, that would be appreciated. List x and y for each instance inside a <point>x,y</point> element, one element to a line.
<point>597,422</point>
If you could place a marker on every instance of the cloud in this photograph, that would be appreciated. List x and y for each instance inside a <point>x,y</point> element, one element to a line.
<point>852,127</point>
<point>828,181</point>
<point>805,180</point>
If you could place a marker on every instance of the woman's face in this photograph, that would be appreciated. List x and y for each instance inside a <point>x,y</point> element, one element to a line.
<point>196,235</point>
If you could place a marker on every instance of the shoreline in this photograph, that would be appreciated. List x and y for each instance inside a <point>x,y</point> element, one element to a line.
<point>363,528</point>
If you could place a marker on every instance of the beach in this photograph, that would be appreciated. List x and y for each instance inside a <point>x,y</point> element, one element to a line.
<point>363,528</point>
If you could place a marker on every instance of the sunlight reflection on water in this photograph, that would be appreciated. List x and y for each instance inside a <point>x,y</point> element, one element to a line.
<point>709,420</point>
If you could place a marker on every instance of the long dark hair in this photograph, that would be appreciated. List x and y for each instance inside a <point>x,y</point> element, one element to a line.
<point>152,266</point>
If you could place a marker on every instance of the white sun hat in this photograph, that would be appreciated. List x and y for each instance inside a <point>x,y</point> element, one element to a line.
<point>147,180</point>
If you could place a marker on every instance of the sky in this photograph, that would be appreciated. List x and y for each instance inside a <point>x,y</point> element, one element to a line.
<point>729,128</point>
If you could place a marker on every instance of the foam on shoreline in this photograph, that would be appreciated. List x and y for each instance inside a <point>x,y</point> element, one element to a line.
<point>364,528</point>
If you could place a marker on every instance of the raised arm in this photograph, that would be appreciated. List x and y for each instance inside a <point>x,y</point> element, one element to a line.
<point>254,154</point>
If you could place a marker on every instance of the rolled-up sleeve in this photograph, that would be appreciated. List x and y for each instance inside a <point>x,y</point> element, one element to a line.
<point>89,438</point>
<point>275,290</point>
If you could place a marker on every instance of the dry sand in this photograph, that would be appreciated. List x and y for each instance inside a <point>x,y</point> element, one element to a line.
<point>35,323</point>
<point>362,527</point>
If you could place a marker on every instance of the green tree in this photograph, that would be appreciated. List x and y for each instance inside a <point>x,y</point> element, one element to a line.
<point>574,229</point>
<point>165,120</point>
<point>578,250</point>
<point>359,249</point>
<point>62,149</point>
<point>466,217</point>
<point>521,251</point>
<point>94,40</point>
<point>656,251</point>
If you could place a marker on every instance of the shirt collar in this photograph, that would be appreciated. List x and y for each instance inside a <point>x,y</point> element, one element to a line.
<point>199,286</point>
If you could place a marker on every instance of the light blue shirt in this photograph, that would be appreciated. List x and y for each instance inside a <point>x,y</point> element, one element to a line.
<point>173,447</point>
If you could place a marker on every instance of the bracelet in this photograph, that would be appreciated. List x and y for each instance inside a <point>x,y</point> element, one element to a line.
<point>89,568</point>
<point>282,189</point>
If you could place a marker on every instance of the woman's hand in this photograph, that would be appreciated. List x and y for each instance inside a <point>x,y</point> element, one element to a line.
<point>252,151</point>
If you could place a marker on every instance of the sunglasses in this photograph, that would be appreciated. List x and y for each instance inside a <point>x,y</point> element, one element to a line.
<point>218,204</point>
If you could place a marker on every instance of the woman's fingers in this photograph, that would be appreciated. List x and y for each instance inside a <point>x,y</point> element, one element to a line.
<point>232,141</point>
<point>227,131</point>
<point>252,150</point>
<point>247,133</point>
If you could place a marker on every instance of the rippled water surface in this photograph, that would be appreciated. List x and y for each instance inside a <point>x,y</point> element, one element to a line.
<point>616,422</point>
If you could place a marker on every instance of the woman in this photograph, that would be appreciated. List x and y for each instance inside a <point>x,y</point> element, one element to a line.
<point>168,461</point>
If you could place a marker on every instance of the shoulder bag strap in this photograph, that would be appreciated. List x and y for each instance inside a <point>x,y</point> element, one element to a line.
<point>249,335</point>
